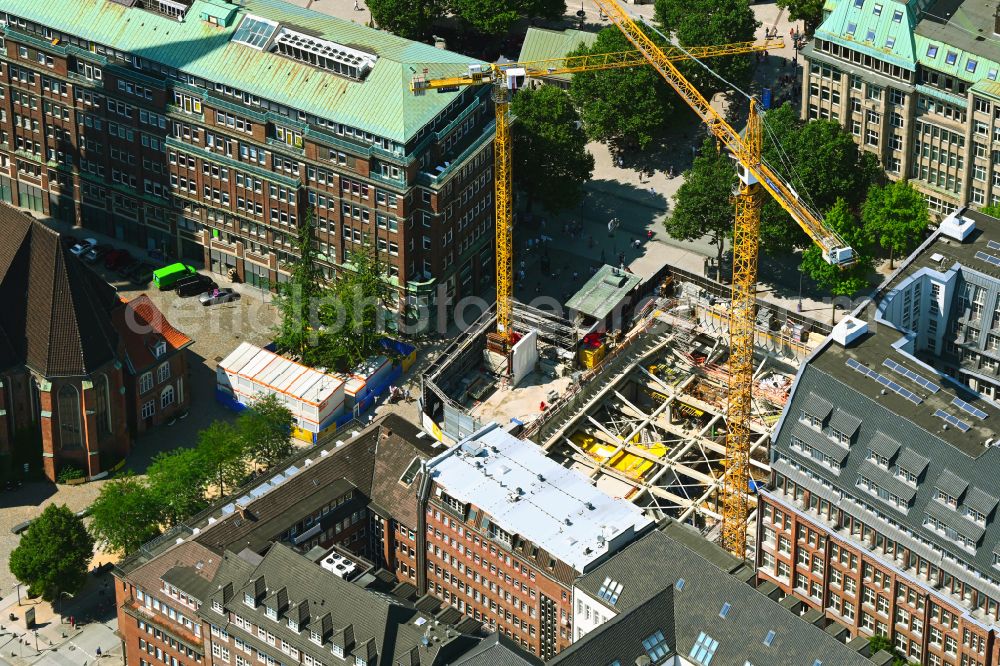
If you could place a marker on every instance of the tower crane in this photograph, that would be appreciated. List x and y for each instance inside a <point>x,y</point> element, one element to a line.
<point>754,174</point>
<point>507,77</point>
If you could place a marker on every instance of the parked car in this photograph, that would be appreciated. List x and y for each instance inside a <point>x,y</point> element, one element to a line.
<point>124,268</point>
<point>141,274</point>
<point>95,253</point>
<point>68,241</point>
<point>194,285</point>
<point>83,246</point>
<point>114,259</point>
<point>216,296</point>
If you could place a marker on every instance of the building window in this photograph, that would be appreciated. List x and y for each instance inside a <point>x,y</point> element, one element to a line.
<point>148,409</point>
<point>70,433</point>
<point>167,397</point>
<point>103,406</point>
<point>163,373</point>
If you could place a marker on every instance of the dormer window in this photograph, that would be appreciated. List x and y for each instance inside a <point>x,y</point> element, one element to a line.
<point>338,651</point>
<point>249,599</point>
<point>841,437</point>
<point>315,637</point>
<point>159,349</point>
<point>360,661</point>
<point>947,499</point>
<point>293,625</point>
<point>271,612</point>
<point>814,421</point>
<point>217,606</point>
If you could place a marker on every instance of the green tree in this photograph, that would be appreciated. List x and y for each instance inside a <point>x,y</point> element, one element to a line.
<point>895,217</point>
<point>809,12</point>
<point>125,514</point>
<point>702,204</point>
<point>626,107</point>
<point>838,281</point>
<point>296,297</point>
<point>220,448</point>
<point>177,480</point>
<point>821,162</point>
<point>354,315</point>
<point>497,17</point>
<point>411,19</point>
<point>992,211</point>
<point>265,430</point>
<point>711,23</point>
<point>53,555</point>
<point>551,161</point>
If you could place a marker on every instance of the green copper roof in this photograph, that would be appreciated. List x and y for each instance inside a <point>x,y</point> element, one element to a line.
<point>382,104</point>
<point>880,28</point>
<point>542,44</point>
<point>603,292</point>
<point>907,34</point>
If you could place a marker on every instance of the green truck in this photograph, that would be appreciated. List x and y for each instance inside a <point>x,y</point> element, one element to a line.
<point>166,277</point>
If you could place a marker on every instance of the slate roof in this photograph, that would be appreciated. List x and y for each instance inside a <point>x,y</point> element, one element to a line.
<point>649,570</point>
<point>56,315</point>
<point>497,650</point>
<point>371,463</point>
<point>382,104</point>
<point>381,625</point>
<point>189,562</point>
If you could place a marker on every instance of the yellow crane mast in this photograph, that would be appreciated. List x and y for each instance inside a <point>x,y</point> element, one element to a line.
<point>754,174</point>
<point>506,77</point>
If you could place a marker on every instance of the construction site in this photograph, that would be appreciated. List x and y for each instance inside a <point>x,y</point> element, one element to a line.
<point>646,421</point>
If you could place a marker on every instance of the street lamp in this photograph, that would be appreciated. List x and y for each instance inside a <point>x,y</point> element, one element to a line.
<point>798,308</point>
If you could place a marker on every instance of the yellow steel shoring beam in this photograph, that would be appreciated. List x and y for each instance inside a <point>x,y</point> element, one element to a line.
<point>741,342</point>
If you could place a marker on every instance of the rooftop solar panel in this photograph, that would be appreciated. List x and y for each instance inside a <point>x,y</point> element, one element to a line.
<point>991,259</point>
<point>909,374</point>
<point>884,381</point>
<point>966,407</point>
<point>958,423</point>
<point>993,245</point>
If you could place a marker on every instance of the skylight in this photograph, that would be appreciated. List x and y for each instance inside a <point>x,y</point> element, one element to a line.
<point>870,36</point>
<point>932,51</point>
<point>255,32</point>
<point>610,590</point>
<point>890,42</point>
<point>877,10</point>
<point>679,584</point>
<point>897,16</point>
<point>953,420</point>
<point>725,610</point>
<point>992,76</point>
<point>970,66</point>
<point>851,27</point>
<point>704,649</point>
<point>951,58</point>
<point>411,472</point>
<point>656,646</point>
<point>769,638</point>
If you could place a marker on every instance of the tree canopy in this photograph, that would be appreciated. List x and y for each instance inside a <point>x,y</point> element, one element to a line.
<point>895,217</point>
<point>53,555</point>
<point>711,23</point>
<point>407,18</point>
<point>125,515</point>
<point>297,297</point>
<point>702,204</point>
<point>992,211</point>
<point>551,162</point>
<point>177,480</point>
<point>265,428</point>
<point>220,448</point>
<point>821,161</point>
<point>840,282</point>
<point>627,107</point>
<point>809,12</point>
